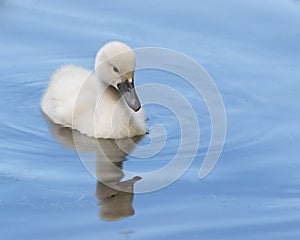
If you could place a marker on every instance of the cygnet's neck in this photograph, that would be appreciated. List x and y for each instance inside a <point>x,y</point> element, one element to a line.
<point>104,89</point>
<point>101,87</point>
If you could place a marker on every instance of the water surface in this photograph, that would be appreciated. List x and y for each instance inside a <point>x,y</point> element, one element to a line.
<point>251,49</point>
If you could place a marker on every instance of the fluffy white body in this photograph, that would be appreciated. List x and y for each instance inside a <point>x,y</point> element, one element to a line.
<point>95,103</point>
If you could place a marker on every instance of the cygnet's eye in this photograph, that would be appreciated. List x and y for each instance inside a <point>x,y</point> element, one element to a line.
<point>116,70</point>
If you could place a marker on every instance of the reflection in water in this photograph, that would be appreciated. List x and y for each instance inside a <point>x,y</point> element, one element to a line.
<point>115,196</point>
<point>115,204</point>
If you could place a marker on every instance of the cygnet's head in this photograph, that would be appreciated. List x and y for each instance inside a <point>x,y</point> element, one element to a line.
<point>115,65</point>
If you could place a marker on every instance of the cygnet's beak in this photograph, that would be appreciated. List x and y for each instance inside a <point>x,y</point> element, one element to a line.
<point>127,91</point>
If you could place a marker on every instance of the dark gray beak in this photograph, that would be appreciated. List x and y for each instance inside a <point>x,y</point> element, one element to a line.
<point>127,91</point>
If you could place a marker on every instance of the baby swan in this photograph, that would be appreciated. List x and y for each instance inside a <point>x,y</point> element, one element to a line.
<point>103,104</point>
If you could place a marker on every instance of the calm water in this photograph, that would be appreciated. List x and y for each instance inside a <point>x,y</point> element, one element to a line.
<point>250,48</point>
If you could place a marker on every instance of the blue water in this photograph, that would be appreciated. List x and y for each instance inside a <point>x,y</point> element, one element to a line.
<point>251,50</point>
